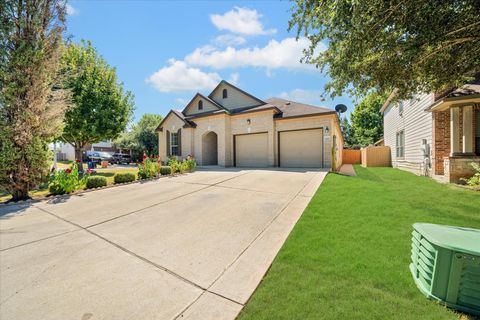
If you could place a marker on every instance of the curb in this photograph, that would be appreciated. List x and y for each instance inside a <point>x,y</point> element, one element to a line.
<point>81,191</point>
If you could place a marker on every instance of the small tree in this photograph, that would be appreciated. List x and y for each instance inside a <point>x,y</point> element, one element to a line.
<point>142,136</point>
<point>367,121</point>
<point>32,102</point>
<point>101,107</point>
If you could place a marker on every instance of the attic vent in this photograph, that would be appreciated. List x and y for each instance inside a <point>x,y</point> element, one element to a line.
<point>288,103</point>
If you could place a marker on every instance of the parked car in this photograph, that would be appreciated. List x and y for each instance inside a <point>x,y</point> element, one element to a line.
<point>98,156</point>
<point>121,158</point>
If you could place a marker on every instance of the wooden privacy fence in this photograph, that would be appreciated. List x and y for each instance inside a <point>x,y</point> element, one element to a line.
<point>351,156</point>
<point>376,157</point>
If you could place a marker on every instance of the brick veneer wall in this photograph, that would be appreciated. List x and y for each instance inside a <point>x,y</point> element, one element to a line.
<point>441,140</point>
<point>441,137</point>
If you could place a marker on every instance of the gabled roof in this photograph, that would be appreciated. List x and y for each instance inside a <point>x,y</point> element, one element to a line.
<point>203,97</point>
<point>236,88</point>
<point>292,109</point>
<point>188,123</point>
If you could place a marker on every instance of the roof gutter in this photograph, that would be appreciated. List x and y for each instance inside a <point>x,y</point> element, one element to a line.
<point>445,103</point>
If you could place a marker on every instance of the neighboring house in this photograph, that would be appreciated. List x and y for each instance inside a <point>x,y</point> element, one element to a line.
<point>436,135</point>
<point>230,127</point>
<point>67,152</point>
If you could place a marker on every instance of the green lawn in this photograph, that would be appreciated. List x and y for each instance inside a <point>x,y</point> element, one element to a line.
<point>348,255</point>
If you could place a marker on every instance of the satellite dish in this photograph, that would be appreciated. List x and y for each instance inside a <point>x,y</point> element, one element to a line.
<point>340,108</point>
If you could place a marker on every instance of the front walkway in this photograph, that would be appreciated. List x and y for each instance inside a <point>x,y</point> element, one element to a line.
<point>347,170</point>
<point>191,247</point>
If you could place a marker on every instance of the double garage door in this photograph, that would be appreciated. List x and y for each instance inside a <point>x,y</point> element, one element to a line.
<point>296,149</point>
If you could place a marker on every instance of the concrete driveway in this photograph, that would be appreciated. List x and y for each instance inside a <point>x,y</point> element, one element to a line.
<point>191,247</point>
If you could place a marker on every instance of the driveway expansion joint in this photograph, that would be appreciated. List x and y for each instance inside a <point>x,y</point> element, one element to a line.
<point>258,236</point>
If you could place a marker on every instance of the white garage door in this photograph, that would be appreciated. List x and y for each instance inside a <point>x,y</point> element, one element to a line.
<point>301,148</point>
<point>251,150</point>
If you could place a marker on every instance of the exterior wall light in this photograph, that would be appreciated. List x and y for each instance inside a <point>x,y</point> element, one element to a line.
<point>326,130</point>
<point>248,121</point>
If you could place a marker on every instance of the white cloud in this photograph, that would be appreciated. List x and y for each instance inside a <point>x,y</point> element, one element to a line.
<point>276,54</point>
<point>178,76</point>
<point>229,40</point>
<point>241,21</point>
<point>71,11</point>
<point>181,101</point>
<point>234,77</point>
<point>302,95</point>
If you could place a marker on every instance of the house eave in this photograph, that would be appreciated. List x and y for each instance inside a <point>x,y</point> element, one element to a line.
<point>445,103</point>
<point>387,102</point>
<point>307,115</point>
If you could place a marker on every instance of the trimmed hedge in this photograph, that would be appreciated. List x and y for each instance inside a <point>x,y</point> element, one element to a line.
<point>165,170</point>
<point>96,182</point>
<point>123,177</point>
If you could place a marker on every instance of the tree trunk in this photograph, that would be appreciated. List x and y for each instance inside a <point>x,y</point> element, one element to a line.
<point>20,194</point>
<point>79,156</point>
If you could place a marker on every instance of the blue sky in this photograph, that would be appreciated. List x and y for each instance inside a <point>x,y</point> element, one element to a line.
<point>166,51</point>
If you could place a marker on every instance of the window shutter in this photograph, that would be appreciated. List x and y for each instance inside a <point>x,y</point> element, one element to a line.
<point>168,144</point>
<point>179,139</point>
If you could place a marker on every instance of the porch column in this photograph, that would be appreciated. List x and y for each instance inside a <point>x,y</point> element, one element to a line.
<point>467,146</point>
<point>454,131</point>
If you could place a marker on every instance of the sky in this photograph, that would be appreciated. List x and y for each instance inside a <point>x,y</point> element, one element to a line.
<point>166,51</point>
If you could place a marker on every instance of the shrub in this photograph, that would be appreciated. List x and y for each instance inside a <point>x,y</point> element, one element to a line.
<point>474,181</point>
<point>148,169</point>
<point>190,162</point>
<point>68,180</point>
<point>165,170</point>
<point>175,165</point>
<point>124,177</point>
<point>180,167</point>
<point>96,182</point>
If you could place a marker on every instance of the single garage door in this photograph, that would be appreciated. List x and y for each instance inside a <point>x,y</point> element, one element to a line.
<point>251,150</point>
<point>301,148</point>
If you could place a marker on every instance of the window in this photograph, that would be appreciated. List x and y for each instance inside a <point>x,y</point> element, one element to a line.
<point>401,144</point>
<point>224,93</point>
<point>400,108</point>
<point>174,143</point>
<point>200,105</point>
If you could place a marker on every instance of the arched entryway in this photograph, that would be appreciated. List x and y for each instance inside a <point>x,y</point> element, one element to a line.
<point>210,149</point>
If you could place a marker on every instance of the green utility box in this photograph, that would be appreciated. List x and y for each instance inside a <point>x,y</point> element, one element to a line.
<point>446,265</point>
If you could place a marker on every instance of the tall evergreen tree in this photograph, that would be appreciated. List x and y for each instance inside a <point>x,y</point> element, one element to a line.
<point>32,102</point>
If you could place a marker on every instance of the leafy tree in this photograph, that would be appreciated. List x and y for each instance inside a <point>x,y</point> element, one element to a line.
<point>367,121</point>
<point>142,136</point>
<point>348,134</point>
<point>32,102</point>
<point>101,108</point>
<point>410,45</point>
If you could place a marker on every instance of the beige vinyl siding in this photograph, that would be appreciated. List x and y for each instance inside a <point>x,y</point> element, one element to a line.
<point>417,125</point>
<point>236,99</point>
<point>193,107</point>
